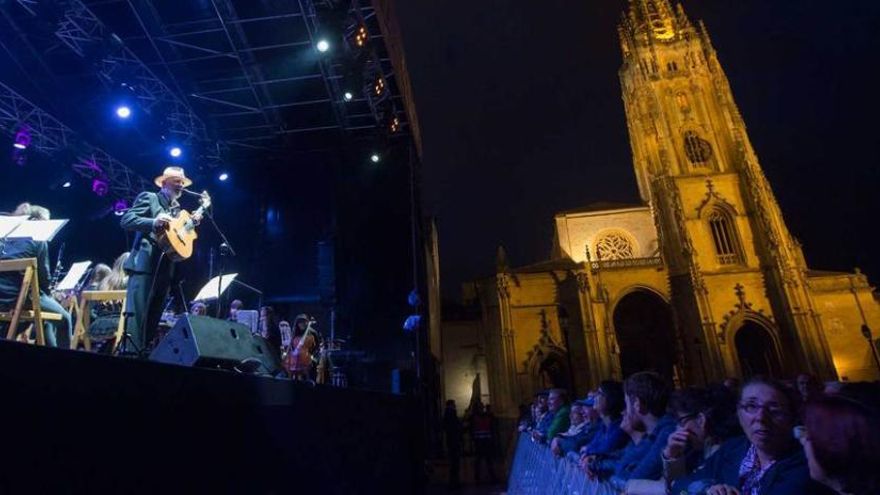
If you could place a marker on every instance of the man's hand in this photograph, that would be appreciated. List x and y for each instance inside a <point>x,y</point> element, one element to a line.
<point>161,221</point>
<point>536,436</point>
<point>677,443</point>
<point>722,490</point>
<point>554,447</point>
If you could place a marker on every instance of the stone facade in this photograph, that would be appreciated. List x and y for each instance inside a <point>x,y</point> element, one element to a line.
<point>700,281</point>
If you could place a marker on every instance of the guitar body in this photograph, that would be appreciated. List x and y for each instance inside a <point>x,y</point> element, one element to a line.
<point>177,240</point>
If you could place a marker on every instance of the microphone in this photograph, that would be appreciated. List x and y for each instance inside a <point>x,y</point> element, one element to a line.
<point>193,192</point>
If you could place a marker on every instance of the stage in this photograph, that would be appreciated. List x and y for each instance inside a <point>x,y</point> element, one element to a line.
<point>77,422</point>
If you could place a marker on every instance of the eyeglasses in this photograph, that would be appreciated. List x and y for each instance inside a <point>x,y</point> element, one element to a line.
<point>683,420</point>
<point>774,410</point>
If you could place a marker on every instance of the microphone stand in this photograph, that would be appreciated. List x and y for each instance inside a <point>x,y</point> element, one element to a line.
<point>226,250</point>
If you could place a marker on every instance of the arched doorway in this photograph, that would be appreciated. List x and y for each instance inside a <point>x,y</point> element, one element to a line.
<point>553,372</point>
<point>756,351</point>
<point>645,334</point>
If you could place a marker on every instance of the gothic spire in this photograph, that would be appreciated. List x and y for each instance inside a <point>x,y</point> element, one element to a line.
<point>655,20</point>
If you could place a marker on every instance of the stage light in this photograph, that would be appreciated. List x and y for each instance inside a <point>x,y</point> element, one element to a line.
<point>374,158</point>
<point>223,176</point>
<point>348,96</point>
<point>323,46</point>
<point>123,112</point>
<point>22,139</point>
<point>100,186</point>
<point>66,185</point>
<point>175,152</point>
<point>119,207</point>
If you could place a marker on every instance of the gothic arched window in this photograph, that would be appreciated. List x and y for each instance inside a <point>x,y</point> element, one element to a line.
<point>614,246</point>
<point>724,236</point>
<point>697,149</point>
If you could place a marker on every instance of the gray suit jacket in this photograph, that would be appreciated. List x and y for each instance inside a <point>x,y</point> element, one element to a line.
<point>139,218</point>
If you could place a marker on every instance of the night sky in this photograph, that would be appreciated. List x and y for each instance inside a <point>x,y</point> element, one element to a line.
<point>522,117</point>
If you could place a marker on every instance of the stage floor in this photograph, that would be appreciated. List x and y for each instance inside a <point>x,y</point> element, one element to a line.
<point>76,422</point>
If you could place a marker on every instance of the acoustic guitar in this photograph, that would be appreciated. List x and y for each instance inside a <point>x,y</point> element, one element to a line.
<point>179,236</point>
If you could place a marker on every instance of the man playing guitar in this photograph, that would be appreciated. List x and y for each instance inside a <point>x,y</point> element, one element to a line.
<point>150,270</point>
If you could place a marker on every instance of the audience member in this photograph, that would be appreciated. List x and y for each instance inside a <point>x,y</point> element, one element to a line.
<point>558,410</point>
<point>767,460</point>
<point>646,396</point>
<point>706,418</point>
<point>583,424</point>
<point>808,387</point>
<point>841,440</point>
<point>609,405</point>
<point>484,443</point>
<point>452,429</point>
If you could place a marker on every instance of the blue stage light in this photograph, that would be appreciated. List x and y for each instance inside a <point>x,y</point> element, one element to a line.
<point>123,112</point>
<point>374,158</point>
<point>223,176</point>
<point>348,96</point>
<point>66,185</point>
<point>323,46</point>
<point>175,152</point>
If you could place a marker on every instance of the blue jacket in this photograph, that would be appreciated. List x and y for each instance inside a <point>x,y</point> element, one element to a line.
<point>788,476</point>
<point>608,439</point>
<point>645,463</point>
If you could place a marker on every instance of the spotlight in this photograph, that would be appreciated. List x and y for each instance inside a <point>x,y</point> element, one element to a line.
<point>374,158</point>
<point>22,139</point>
<point>175,152</point>
<point>66,185</point>
<point>100,186</point>
<point>119,207</point>
<point>223,176</point>
<point>348,96</point>
<point>123,112</point>
<point>323,46</point>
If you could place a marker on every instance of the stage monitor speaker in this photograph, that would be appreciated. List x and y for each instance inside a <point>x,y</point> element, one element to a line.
<point>211,343</point>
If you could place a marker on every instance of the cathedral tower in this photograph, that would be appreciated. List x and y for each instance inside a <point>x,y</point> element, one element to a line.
<point>737,277</point>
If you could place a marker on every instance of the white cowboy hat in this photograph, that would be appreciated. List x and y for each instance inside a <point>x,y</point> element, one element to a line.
<point>172,172</point>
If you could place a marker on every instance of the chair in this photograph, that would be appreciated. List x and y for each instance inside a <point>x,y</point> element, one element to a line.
<point>84,317</point>
<point>30,286</point>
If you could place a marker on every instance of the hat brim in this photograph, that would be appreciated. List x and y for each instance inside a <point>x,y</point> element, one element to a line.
<point>159,180</point>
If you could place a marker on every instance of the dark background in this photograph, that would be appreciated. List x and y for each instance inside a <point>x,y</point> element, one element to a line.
<point>522,117</point>
<point>521,114</point>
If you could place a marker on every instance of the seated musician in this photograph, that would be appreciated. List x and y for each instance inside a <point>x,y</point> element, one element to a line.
<point>105,315</point>
<point>198,309</point>
<point>57,334</point>
<point>233,310</point>
<point>298,361</point>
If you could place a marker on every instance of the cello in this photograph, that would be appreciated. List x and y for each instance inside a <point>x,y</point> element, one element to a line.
<point>298,359</point>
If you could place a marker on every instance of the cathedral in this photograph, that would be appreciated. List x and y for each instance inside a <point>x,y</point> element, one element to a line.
<point>699,281</point>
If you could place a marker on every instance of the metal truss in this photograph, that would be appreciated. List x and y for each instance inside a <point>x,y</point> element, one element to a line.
<point>118,66</point>
<point>51,137</point>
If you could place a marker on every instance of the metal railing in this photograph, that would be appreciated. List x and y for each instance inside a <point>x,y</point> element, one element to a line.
<point>536,471</point>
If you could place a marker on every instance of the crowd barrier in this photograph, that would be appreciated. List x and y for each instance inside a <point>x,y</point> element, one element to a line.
<point>536,471</point>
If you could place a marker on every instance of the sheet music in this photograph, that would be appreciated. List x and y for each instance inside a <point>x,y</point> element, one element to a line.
<point>8,224</point>
<point>38,230</point>
<point>249,318</point>
<point>212,289</point>
<point>74,275</point>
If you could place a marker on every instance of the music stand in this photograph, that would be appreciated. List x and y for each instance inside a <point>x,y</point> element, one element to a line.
<point>216,286</point>
<point>36,230</point>
<point>72,279</point>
